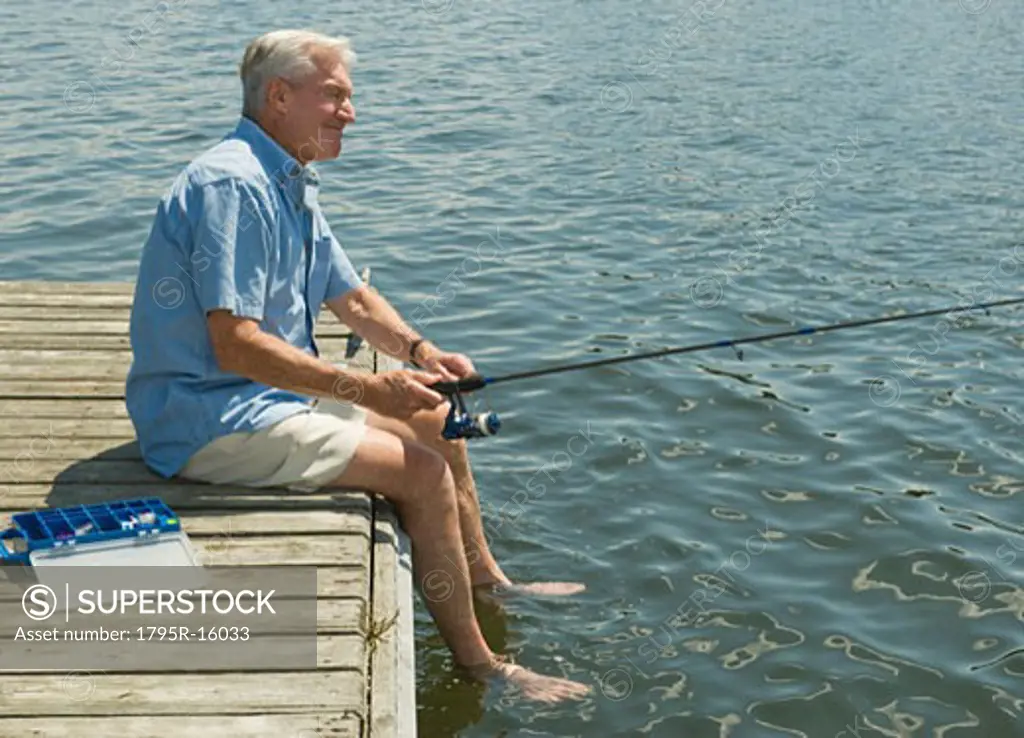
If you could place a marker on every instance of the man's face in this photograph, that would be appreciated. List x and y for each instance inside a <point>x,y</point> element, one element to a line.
<point>320,107</point>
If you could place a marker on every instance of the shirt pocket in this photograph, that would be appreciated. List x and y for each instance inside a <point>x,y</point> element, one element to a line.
<point>320,273</point>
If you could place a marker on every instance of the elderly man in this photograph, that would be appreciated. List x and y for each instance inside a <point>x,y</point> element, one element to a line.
<point>226,384</point>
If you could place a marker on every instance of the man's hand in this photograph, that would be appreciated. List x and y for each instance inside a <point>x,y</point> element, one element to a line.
<point>449,366</point>
<point>401,393</point>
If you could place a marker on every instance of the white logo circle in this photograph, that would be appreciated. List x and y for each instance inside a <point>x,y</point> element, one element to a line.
<point>616,97</point>
<point>79,686</point>
<point>974,7</point>
<point>706,292</point>
<point>437,7</point>
<point>39,602</point>
<point>79,96</point>
<point>168,292</point>
<point>884,390</point>
<point>619,688</point>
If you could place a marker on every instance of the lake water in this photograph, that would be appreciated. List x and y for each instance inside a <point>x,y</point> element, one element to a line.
<point>823,539</point>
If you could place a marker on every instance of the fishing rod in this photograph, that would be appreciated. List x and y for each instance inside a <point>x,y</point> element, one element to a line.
<point>460,424</point>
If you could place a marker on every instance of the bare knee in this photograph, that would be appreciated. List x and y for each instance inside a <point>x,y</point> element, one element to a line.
<point>429,430</point>
<point>429,476</point>
<point>404,470</point>
<point>427,425</point>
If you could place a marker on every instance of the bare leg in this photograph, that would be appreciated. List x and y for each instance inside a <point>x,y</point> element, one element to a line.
<point>484,570</point>
<point>426,428</point>
<point>419,483</point>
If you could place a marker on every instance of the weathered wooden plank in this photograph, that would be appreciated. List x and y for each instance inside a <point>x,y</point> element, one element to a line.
<point>62,382</point>
<point>194,694</point>
<point>32,356</point>
<point>72,370</point>
<point>117,430</point>
<point>231,523</point>
<point>99,312</point>
<point>62,370</point>
<point>353,519</point>
<point>65,327</point>
<point>332,550</point>
<point>340,583</point>
<point>383,708</point>
<point>334,724</point>
<point>343,582</point>
<point>24,449</point>
<point>181,496</point>
<point>68,311</point>
<point>392,709</point>
<point>349,582</point>
<point>65,301</point>
<point>50,341</point>
<point>39,468</point>
<point>113,327</point>
<point>342,615</point>
<point>334,345</point>
<point>72,388</point>
<point>46,471</point>
<point>294,550</point>
<point>342,651</point>
<point>72,409</point>
<point>334,616</point>
<point>51,287</point>
<point>46,444</point>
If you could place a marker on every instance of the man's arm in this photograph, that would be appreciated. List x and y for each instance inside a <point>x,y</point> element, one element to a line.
<point>241,347</point>
<point>362,309</point>
<point>368,314</point>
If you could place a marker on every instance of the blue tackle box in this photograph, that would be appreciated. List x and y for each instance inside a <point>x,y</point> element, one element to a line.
<point>142,532</point>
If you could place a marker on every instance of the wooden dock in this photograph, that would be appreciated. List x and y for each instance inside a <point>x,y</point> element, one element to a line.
<point>65,439</point>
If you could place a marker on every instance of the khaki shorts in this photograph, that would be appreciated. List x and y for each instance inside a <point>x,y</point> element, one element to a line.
<point>301,452</point>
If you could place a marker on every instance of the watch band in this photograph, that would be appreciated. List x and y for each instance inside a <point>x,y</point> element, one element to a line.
<point>412,351</point>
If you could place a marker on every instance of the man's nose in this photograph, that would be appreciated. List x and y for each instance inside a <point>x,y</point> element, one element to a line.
<point>347,112</point>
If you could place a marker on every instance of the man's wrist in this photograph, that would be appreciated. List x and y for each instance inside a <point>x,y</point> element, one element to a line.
<point>420,349</point>
<point>415,345</point>
<point>349,387</point>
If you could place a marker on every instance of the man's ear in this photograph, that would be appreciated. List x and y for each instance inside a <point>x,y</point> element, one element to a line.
<point>279,95</point>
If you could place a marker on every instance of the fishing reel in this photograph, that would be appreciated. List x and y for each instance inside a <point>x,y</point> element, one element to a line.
<point>460,423</point>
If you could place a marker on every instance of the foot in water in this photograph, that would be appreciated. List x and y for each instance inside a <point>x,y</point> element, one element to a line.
<point>530,684</point>
<point>531,589</point>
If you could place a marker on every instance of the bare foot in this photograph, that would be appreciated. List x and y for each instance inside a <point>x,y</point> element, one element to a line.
<point>530,589</point>
<point>530,684</point>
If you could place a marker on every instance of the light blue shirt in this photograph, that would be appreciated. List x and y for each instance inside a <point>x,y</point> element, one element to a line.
<point>240,228</point>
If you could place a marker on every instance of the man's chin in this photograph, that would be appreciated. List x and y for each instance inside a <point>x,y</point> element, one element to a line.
<point>330,148</point>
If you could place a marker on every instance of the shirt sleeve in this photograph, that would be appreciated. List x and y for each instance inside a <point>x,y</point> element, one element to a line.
<point>342,275</point>
<point>232,248</point>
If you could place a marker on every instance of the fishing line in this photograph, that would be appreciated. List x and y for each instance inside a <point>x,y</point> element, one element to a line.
<point>475,382</point>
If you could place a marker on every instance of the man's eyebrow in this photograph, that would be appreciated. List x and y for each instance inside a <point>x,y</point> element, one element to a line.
<point>339,86</point>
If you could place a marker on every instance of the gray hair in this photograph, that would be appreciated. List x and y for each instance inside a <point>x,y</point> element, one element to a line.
<point>290,54</point>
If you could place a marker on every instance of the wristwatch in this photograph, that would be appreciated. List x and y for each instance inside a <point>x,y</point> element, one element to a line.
<point>412,351</point>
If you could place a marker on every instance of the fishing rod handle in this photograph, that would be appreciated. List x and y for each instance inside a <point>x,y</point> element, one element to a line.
<point>466,384</point>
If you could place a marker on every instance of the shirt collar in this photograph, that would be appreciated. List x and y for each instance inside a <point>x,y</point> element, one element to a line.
<point>300,182</point>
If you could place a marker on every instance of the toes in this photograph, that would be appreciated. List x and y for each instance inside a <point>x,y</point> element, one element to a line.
<point>539,589</point>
